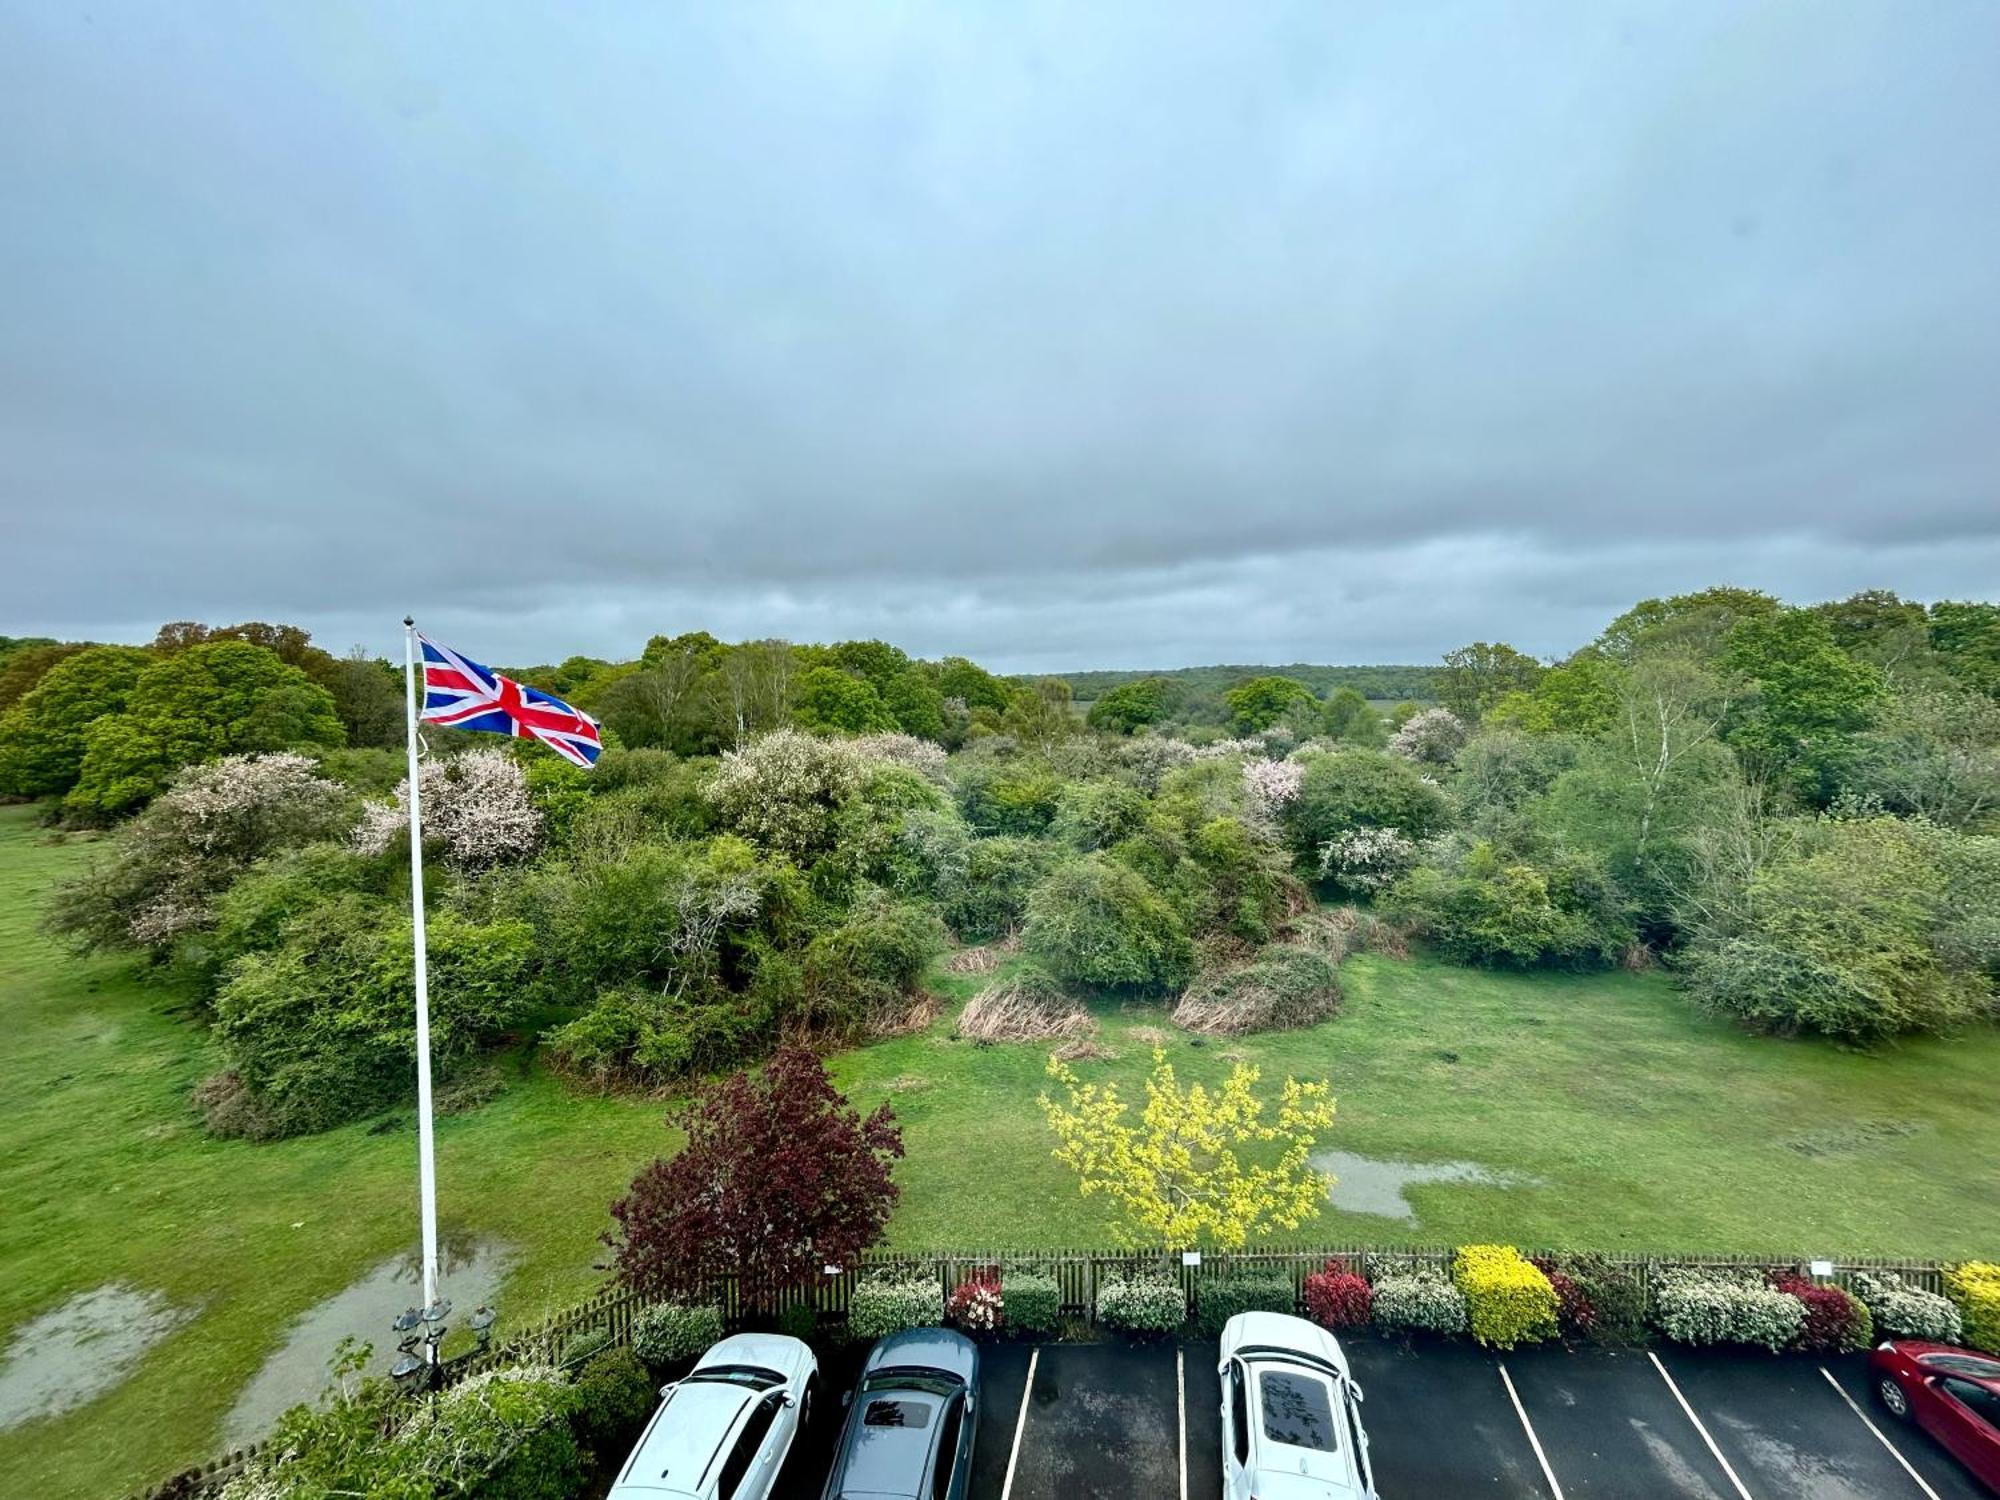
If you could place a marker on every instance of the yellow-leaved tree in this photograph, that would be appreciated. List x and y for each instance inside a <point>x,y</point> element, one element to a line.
<point>1179,1175</point>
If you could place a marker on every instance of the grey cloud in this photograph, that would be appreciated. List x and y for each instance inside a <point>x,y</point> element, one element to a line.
<point>1057,336</point>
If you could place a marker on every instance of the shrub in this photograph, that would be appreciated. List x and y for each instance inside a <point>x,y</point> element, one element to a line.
<point>783,791</point>
<point>1902,1311</point>
<point>1434,736</point>
<point>1282,989</point>
<point>668,1332</point>
<point>614,1396</point>
<point>1354,788</point>
<point>1097,814</point>
<point>585,1344</point>
<point>863,968</point>
<point>1220,1298</point>
<point>1508,1300</point>
<point>1975,1288</point>
<point>1836,1321</point>
<point>1490,908</point>
<point>502,1435</point>
<point>1096,922</point>
<point>1419,1300</point>
<point>1009,799</point>
<point>798,1321</point>
<point>1617,1297</point>
<point>976,1304</point>
<point>1141,1302</point>
<point>1034,1301</point>
<point>1576,1316</point>
<point>476,810</point>
<point>1694,1307</point>
<point>887,1302</point>
<point>991,898</point>
<point>1336,1297</point>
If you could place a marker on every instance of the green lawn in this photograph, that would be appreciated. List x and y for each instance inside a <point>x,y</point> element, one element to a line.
<point>1643,1124</point>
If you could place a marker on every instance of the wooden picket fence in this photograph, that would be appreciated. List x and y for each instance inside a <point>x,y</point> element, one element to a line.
<point>1077,1272</point>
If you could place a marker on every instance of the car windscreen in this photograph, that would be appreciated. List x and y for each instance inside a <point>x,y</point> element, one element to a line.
<point>886,1411</point>
<point>1296,1410</point>
<point>911,1378</point>
<point>753,1376</point>
<point>1963,1364</point>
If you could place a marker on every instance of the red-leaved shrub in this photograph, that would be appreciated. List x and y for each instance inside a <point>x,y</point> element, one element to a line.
<point>1335,1297</point>
<point>1575,1316</point>
<point>1834,1319</point>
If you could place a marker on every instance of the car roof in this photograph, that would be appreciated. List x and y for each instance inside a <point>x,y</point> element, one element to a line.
<point>887,1460</point>
<point>678,1449</point>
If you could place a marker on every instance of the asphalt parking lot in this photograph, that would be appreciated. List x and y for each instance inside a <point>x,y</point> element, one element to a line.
<point>1114,1421</point>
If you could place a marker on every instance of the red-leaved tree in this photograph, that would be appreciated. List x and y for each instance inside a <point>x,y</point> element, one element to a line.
<point>780,1178</point>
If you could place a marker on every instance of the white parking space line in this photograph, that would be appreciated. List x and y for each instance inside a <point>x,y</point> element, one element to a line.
<point>1020,1426</point>
<point>1880,1436</point>
<point>1528,1427</point>
<point>1697,1424</point>
<point>1180,1404</point>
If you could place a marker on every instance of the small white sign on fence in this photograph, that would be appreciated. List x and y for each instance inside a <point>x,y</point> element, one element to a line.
<point>1190,1257</point>
<point>1822,1268</point>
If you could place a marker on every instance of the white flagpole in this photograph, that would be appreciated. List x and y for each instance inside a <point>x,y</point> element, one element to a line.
<point>426,1161</point>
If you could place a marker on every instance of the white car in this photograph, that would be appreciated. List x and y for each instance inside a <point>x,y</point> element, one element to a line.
<point>723,1432</point>
<point>1291,1413</point>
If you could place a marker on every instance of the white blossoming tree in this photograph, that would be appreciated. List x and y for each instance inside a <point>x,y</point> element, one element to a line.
<point>475,805</point>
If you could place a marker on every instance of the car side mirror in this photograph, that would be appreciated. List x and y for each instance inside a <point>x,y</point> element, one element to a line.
<point>846,1399</point>
<point>669,1388</point>
<point>1359,1394</point>
<point>790,1400</point>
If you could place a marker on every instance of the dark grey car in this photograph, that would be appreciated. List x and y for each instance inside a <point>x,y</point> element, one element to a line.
<point>910,1421</point>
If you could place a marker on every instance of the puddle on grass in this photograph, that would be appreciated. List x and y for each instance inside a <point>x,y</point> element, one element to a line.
<point>470,1272</point>
<point>78,1351</point>
<point>1366,1185</point>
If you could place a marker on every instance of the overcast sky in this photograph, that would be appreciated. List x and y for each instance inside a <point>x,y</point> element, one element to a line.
<point>1060,336</point>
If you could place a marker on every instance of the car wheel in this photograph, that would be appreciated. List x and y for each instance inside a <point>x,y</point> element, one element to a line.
<point>1891,1395</point>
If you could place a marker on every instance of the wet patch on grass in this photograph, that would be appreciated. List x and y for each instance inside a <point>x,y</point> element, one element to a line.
<point>76,1352</point>
<point>471,1272</point>
<point>1365,1185</point>
<point>1850,1136</point>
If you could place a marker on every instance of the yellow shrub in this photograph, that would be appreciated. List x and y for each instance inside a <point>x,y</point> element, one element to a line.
<point>1508,1300</point>
<point>1975,1287</point>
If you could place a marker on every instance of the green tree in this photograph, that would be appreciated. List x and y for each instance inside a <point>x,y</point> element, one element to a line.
<point>23,667</point>
<point>972,685</point>
<point>42,736</point>
<point>916,705</point>
<point>218,698</point>
<point>1260,702</point>
<point>1357,788</point>
<point>1350,717</point>
<point>1810,698</point>
<point>1476,677</point>
<point>1579,697</point>
<point>1694,625</point>
<point>1967,636</point>
<point>826,698</point>
<point>1040,715</point>
<point>877,661</point>
<point>1134,705</point>
<point>368,697</point>
<point>1094,921</point>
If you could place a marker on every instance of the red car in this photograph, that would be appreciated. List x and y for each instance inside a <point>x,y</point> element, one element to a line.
<point>1953,1394</point>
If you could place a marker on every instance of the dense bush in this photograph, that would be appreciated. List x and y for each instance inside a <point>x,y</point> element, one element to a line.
<point>886,1302</point>
<point>1337,1297</point>
<point>667,1332</point>
<point>1974,1288</point>
<point>1576,1315</point>
<point>42,734</point>
<point>1097,922</point>
<point>614,1396</point>
<point>1141,1302</point>
<point>1020,798</point>
<point>1617,1295</point>
<point>1420,1299</point>
<point>1220,1298</point>
<point>1487,908</point>
<point>1508,1300</point>
<point>1097,814</point>
<point>784,791</point>
<point>1836,1321</point>
<point>477,811</point>
<point>1355,788</point>
<point>1283,988</point>
<point>991,898</point>
<point>1902,1311</point>
<point>1034,1301</point>
<point>321,1029</point>
<point>502,1435</point>
<point>1696,1307</point>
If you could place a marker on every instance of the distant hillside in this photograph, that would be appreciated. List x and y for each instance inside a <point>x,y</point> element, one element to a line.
<point>1393,683</point>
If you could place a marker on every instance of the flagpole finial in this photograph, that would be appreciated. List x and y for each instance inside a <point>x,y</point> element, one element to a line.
<point>410,620</point>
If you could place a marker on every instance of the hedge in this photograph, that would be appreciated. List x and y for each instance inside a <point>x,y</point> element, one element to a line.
<point>1699,1308</point>
<point>1221,1298</point>
<point>671,1331</point>
<point>1902,1311</point>
<point>1508,1299</point>
<point>1419,1300</point>
<point>1141,1302</point>
<point>1975,1288</point>
<point>1034,1301</point>
<point>888,1302</point>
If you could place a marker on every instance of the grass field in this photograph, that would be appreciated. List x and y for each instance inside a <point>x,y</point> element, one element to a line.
<point>1642,1124</point>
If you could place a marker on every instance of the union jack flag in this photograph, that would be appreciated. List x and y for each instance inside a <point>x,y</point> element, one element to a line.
<point>461,693</point>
